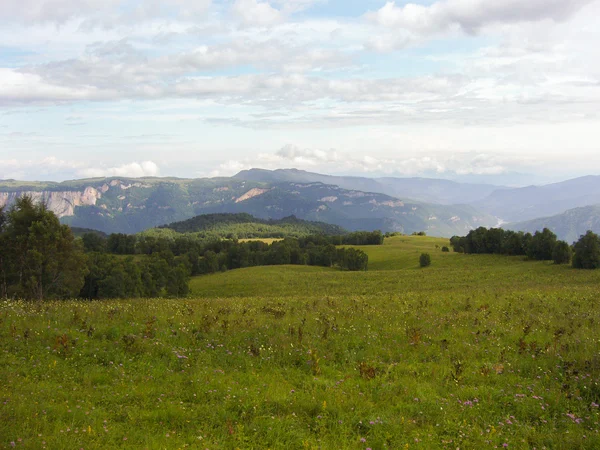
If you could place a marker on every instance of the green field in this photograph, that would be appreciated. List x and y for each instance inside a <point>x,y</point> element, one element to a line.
<point>475,351</point>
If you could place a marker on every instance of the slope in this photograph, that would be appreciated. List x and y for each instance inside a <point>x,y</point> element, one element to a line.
<point>247,226</point>
<point>568,226</point>
<point>533,202</point>
<point>429,190</point>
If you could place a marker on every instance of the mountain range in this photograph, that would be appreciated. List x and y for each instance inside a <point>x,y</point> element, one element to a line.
<point>568,226</point>
<point>438,207</point>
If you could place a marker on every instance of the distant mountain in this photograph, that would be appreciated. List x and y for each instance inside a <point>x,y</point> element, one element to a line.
<point>568,226</point>
<point>427,190</point>
<point>521,204</point>
<point>132,205</point>
<point>247,226</point>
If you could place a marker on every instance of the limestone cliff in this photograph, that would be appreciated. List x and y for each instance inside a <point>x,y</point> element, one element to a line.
<point>62,203</point>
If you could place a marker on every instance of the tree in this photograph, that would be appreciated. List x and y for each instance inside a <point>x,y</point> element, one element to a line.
<point>352,259</point>
<point>587,252</point>
<point>561,253</point>
<point>542,245</point>
<point>40,257</point>
<point>178,281</point>
<point>93,242</point>
<point>425,260</point>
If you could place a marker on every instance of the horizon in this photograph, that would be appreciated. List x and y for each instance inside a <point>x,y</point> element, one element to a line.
<point>500,92</point>
<point>366,176</point>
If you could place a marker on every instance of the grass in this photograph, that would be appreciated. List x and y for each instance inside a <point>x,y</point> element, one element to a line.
<point>471,352</point>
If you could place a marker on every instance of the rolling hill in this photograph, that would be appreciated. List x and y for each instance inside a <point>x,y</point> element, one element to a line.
<point>246,226</point>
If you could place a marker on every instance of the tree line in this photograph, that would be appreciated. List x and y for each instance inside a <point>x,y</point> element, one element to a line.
<point>542,246</point>
<point>40,258</point>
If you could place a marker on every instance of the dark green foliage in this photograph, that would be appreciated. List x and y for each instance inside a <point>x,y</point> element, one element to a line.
<point>587,252</point>
<point>445,249</point>
<point>39,258</point>
<point>542,245</point>
<point>352,259</point>
<point>246,226</point>
<point>178,281</point>
<point>425,260</point>
<point>419,233</point>
<point>79,232</point>
<point>562,253</point>
<point>356,238</point>
<point>492,241</point>
<point>121,244</point>
<point>93,242</point>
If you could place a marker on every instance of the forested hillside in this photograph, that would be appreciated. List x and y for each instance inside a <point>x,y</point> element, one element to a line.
<point>245,226</point>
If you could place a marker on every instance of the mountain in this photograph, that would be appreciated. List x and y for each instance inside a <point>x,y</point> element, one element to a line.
<point>132,205</point>
<point>429,190</point>
<point>568,226</point>
<point>247,226</point>
<point>521,204</point>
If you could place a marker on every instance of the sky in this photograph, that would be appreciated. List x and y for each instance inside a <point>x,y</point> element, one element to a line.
<point>498,90</point>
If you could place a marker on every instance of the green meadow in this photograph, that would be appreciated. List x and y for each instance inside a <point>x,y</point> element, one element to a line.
<point>475,351</point>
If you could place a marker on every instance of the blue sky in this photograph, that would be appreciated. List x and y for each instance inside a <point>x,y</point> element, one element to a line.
<point>448,88</point>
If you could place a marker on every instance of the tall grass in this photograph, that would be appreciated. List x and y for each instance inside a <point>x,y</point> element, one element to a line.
<point>475,352</point>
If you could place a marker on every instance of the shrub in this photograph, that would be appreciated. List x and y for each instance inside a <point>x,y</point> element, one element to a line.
<point>445,249</point>
<point>587,252</point>
<point>425,260</point>
<point>561,253</point>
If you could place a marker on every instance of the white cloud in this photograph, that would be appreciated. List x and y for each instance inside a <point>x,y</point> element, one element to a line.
<point>131,170</point>
<point>58,11</point>
<point>104,13</point>
<point>306,156</point>
<point>45,167</point>
<point>52,168</point>
<point>333,161</point>
<point>256,13</point>
<point>472,15</point>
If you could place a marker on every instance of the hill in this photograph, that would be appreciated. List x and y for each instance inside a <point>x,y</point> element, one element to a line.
<point>125,205</point>
<point>568,226</point>
<point>521,204</point>
<point>429,190</point>
<point>247,226</point>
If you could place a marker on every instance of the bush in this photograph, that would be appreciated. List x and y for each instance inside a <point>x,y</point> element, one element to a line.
<point>561,253</point>
<point>445,249</point>
<point>587,252</point>
<point>425,260</point>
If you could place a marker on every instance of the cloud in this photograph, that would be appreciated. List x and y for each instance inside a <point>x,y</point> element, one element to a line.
<point>103,13</point>
<point>256,13</point>
<point>26,169</point>
<point>298,155</point>
<point>471,15</point>
<point>131,170</point>
<point>53,168</point>
<point>334,161</point>
<point>56,11</point>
